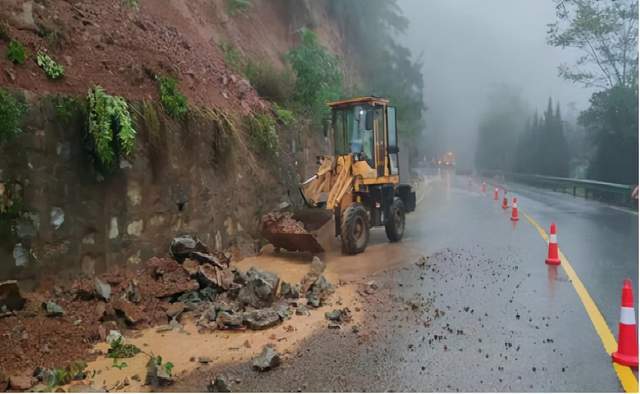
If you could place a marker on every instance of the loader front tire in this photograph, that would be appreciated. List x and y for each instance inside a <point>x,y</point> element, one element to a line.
<point>354,230</point>
<point>395,222</point>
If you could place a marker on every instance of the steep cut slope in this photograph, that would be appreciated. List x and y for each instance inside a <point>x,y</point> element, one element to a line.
<point>198,175</point>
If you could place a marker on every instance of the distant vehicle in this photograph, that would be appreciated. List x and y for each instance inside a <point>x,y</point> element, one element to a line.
<point>447,160</point>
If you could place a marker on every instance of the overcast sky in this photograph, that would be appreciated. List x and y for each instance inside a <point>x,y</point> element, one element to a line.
<point>469,45</point>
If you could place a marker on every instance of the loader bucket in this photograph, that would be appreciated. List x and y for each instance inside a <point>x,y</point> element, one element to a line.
<point>296,231</point>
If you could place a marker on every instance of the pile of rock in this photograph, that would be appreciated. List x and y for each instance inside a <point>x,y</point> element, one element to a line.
<point>254,299</point>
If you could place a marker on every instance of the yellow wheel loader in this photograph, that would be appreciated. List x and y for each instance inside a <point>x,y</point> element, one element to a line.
<point>358,187</point>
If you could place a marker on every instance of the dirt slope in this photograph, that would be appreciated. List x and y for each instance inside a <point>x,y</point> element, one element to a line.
<point>122,48</point>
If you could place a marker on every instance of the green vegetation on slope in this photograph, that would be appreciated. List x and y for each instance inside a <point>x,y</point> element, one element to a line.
<point>173,102</point>
<point>110,128</point>
<point>318,76</point>
<point>12,112</point>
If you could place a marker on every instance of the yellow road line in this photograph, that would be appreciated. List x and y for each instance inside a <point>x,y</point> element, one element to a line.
<point>625,375</point>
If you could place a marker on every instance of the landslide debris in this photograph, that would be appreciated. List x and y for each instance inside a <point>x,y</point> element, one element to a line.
<point>52,327</point>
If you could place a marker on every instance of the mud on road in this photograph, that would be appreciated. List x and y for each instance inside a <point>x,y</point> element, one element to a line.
<point>433,325</point>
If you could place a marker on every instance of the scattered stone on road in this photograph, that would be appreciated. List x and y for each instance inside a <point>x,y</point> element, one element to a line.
<point>269,358</point>
<point>52,309</point>
<point>219,384</point>
<point>339,315</point>
<point>103,290</point>
<point>157,374</point>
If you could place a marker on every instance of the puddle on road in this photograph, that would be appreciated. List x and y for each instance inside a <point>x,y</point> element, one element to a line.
<point>229,346</point>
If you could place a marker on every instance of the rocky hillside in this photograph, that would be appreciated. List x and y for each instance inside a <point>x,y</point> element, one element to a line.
<point>197,162</point>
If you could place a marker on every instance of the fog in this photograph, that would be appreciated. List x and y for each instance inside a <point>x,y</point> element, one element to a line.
<point>468,46</point>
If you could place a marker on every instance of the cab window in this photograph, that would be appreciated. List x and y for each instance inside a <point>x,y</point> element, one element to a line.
<point>353,133</point>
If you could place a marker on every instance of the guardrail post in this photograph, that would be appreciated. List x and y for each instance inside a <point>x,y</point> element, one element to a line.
<point>574,190</point>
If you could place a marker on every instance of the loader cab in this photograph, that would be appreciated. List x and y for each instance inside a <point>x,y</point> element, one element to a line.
<point>365,127</point>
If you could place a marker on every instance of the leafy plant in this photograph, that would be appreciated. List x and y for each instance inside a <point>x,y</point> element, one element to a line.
<point>62,376</point>
<point>135,4</point>
<point>12,112</point>
<point>119,349</point>
<point>263,135</point>
<point>318,75</point>
<point>118,365</point>
<point>274,85</point>
<point>235,7</point>
<point>16,52</point>
<point>173,102</point>
<point>51,68</point>
<point>166,367</point>
<point>110,127</point>
<point>285,116</point>
<point>232,57</point>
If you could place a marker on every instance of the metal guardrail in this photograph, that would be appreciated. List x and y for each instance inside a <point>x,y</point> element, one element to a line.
<point>614,193</point>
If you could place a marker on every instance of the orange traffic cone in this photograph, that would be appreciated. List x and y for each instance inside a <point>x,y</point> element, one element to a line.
<point>627,353</point>
<point>484,187</point>
<point>495,194</point>
<point>505,203</point>
<point>552,257</point>
<point>514,210</point>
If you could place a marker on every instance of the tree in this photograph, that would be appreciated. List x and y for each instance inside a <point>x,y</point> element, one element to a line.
<point>612,125</point>
<point>606,32</point>
<point>543,148</point>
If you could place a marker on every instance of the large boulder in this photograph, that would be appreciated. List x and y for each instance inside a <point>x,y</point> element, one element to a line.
<point>209,275</point>
<point>260,288</point>
<point>183,246</point>
<point>10,297</point>
<point>261,319</point>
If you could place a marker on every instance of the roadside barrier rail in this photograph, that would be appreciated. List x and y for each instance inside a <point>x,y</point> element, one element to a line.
<point>614,193</point>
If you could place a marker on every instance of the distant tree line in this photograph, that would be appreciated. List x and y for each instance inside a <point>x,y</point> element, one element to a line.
<point>542,147</point>
<point>606,33</point>
<point>511,140</point>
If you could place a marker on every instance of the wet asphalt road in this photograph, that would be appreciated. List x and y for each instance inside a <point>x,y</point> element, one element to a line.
<point>484,314</point>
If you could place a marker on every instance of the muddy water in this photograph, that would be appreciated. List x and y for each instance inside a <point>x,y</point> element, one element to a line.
<point>224,347</point>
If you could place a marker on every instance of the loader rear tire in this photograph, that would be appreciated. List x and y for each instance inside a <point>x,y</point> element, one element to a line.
<point>395,222</point>
<point>354,230</point>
